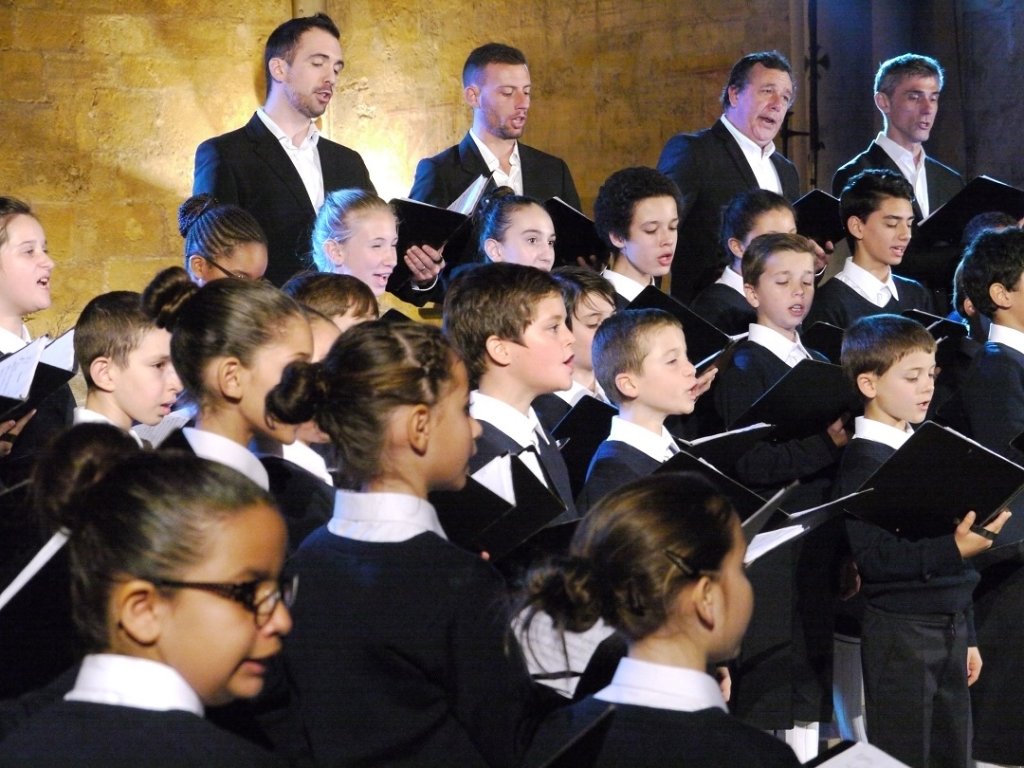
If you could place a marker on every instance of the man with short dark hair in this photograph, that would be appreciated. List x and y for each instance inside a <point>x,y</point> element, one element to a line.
<point>907,92</point>
<point>496,85</point>
<point>734,155</point>
<point>278,167</point>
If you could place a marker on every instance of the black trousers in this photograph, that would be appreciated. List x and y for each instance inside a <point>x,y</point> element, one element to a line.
<point>915,687</point>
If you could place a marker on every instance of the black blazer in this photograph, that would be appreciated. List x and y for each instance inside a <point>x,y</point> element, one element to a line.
<point>710,170</point>
<point>249,168</point>
<point>943,181</point>
<point>442,178</point>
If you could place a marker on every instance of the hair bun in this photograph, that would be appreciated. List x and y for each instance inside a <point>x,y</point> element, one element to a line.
<point>166,294</point>
<point>293,400</point>
<point>190,211</point>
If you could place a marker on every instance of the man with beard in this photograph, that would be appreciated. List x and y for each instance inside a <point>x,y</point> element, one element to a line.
<point>496,85</point>
<point>734,155</point>
<point>278,166</point>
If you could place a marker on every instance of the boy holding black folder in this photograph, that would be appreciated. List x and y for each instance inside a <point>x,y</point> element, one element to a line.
<point>640,361</point>
<point>919,651</point>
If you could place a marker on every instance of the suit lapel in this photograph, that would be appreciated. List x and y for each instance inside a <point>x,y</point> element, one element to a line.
<point>471,165</point>
<point>880,159</point>
<point>735,154</point>
<point>269,150</point>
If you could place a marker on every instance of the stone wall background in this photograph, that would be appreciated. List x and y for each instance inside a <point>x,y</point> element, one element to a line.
<point>102,102</point>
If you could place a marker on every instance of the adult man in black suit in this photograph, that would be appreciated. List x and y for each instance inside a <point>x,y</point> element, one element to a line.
<point>907,92</point>
<point>496,83</point>
<point>736,154</point>
<point>278,167</point>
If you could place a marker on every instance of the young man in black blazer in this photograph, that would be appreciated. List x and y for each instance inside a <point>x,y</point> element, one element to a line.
<point>736,154</point>
<point>496,85</point>
<point>277,166</point>
<point>907,92</point>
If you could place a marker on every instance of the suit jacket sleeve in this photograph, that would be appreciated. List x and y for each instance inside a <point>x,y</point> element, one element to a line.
<point>428,185</point>
<point>213,176</point>
<point>678,161</point>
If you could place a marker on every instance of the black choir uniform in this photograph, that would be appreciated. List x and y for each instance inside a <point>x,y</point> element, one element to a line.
<point>917,624</point>
<point>725,307</point>
<point>993,401</point>
<point>399,654</point>
<point>837,303</point>
<point>629,453</point>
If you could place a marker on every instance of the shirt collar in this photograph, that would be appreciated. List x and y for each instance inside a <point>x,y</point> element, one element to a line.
<point>869,429</point>
<point>902,156</point>
<point>733,279</point>
<point>302,455</point>
<point>89,416</point>
<point>311,138</point>
<point>208,445</point>
<point>12,342</point>
<point>127,681</point>
<point>491,159</point>
<point>789,352</point>
<point>864,283</point>
<point>658,446</point>
<point>382,517</point>
<point>626,287</point>
<point>575,393</point>
<point>523,428</point>
<point>1007,336</point>
<point>748,145</point>
<point>643,684</point>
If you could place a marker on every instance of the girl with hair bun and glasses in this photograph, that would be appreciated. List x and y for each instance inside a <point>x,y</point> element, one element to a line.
<point>177,596</point>
<point>661,561</point>
<point>221,241</point>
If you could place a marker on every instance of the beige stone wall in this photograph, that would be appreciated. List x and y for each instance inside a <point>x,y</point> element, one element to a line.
<point>103,102</point>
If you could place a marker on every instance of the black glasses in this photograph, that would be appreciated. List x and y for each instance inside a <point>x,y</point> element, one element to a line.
<point>262,608</point>
<point>228,272</point>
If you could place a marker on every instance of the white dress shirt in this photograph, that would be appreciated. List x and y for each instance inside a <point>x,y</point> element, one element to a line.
<point>626,287</point>
<point>867,285</point>
<point>912,172</point>
<point>869,429</point>
<point>524,429</point>
<point>89,416</point>
<point>644,684</point>
<point>759,159</point>
<point>514,178</point>
<point>733,279</point>
<point>128,681</point>
<point>305,157</point>
<point>789,352</point>
<point>12,342</point>
<point>302,455</point>
<point>382,517</point>
<point>1009,337</point>
<point>208,445</point>
<point>660,447</point>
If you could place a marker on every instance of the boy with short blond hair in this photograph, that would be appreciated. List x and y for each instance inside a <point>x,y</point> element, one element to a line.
<point>343,299</point>
<point>640,361</point>
<point>877,209</point>
<point>508,322</point>
<point>919,650</point>
<point>126,363</point>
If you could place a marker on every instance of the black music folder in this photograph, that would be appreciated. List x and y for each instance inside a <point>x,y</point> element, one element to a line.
<point>579,434</point>
<point>818,217</point>
<point>811,395</point>
<point>703,340</point>
<point>927,487</point>
<point>825,338</point>
<point>575,234</point>
<point>483,520</point>
<point>946,224</point>
<point>34,372</point>
<point>425,224</point>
